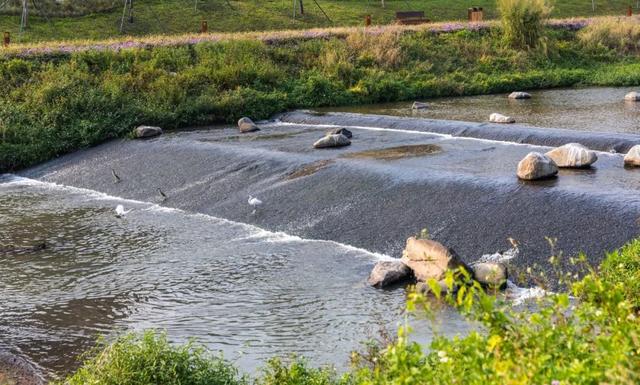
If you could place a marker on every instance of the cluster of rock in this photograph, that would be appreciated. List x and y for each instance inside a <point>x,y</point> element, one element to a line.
<point>425,260</point>
<point>338,137</point>
<point>540,166</point>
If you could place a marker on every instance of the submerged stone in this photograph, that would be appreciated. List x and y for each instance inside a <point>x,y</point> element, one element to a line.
<point>419,106</point>
<point>147,132</point>
<point>400,152</point>
<point>519,95</point>
<point>632,158</point>
<point>572,155</point>
<point>499,118</point>
<point>536,166</point>
<point>337,140</point>
<point>424,288</point>
<point>632,96</point>
<point>387,273</point>
<point>429,259</point>
<point>340,130</point>
<point>247,125</point>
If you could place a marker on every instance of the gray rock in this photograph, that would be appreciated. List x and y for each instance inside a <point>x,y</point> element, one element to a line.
<point>632,158</point>
<point>147,131</point>
<point>499,118</point>
<point>519,95</point>
<point>491,274</point>
<point>572,155</point>
<point>247,125</point>
<point>340,130</point>
<point>536,166</point>
<point>332,141</point>
<point>419,106</point>
<point>429,259</point>
<point>387,273</point>
<point>632,96</point>
<point>15,370</point>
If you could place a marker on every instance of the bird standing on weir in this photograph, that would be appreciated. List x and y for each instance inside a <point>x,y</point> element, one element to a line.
<point>163,196</point>
<point>116,178</point>
<point>255,203</point>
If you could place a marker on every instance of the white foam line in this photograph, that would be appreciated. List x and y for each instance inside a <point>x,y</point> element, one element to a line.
<point>268,236</point>
<point>429,133</point>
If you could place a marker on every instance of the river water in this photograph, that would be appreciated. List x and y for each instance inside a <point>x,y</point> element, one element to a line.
<point>241,290</point>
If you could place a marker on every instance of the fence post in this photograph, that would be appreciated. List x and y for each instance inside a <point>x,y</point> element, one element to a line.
<point>204,27</point>
<point>7,39</point>
<point>629,11</point>
<point>367,20</point>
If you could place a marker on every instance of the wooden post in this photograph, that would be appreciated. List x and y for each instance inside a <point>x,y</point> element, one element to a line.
<point>301,7</point>
<point>629,11</point>
<point>367,20</point>
<point>204,27</point>
<point>470,14</point>
<point>480,15</point>
<point>7,39</point>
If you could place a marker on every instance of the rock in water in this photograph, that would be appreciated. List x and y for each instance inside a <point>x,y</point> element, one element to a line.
<point>419,106</point>
<point>632,96</point>
<point>147,132</point>
<point>633,157</point>
<point>499,118</point>
<point>429,259</point>
<point>337,140</point>
<point>387,273</point>
<point>343,131</point>
<point>572,155</point>
<point>490,274</point>
<point>536,166</point>
<point>519,95</point>
<point>247,125</point>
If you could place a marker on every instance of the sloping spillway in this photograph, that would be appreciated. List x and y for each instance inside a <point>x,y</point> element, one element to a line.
<point>386,186</point>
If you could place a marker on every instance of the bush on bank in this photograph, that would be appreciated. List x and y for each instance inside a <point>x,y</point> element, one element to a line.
<point>592,337</point>
<point>51,105</point>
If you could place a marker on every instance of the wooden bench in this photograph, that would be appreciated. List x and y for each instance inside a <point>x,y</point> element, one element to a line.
<point>411,17</point>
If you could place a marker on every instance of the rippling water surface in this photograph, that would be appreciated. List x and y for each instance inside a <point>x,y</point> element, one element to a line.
<point>249,293</point>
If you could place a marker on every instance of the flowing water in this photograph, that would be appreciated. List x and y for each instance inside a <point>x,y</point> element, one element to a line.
<point>247,292</point>
<point>589,109</point>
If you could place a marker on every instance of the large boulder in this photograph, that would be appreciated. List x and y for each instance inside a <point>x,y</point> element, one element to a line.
<point>247,125</point>
<point>15,370</point>
<point>499,118</point>
<point>336,140</point>
<point>429,259</point>
<point>572,155</point>
<point>632,96</point>
<point>387,273</point>
<point>519,95</point>
<point>490,274</point>
<point>147,132</point>
<point>536,166</point>
<point>419,106</point>
<point>340,130</point>
<point>633,157</point>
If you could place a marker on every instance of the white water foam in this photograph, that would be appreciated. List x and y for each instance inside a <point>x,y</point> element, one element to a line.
<point>256,232</point>
<point>519,295</point>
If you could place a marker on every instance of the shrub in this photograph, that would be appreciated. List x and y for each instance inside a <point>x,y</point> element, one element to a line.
<point>523,21</point>
<point>620,34</point>
<point>149,359</point>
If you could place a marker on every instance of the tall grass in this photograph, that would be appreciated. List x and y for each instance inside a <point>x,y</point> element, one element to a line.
<point>619,33</point>
<point>523,21</point>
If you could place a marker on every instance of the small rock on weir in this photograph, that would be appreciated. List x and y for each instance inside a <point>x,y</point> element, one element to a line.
<point>536,166</point>
<point>633,157</point>
<point>247,125</point>
<point>519,95</point>
<point>499,118</point>
<point>147,132</point>
<point>386,273</point>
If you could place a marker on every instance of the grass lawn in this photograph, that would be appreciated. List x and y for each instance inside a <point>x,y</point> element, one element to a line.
<point>172,16</point>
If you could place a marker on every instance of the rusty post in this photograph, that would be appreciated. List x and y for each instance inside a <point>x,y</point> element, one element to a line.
<point>480,15</point>
<point>470,14</point>
<point>629,11</point>
<point>7,39</point>
<point>367,20</point>
<point>204,27</point>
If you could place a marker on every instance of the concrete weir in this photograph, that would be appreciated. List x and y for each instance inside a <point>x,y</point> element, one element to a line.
<point>387,185</point>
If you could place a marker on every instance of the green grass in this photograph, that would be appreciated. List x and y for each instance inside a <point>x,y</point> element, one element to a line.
<point>172,16</point>
<point>52,105</point>
<point>591,339</point>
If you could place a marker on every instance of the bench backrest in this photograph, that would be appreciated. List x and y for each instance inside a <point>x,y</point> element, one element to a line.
<point>410,15</point>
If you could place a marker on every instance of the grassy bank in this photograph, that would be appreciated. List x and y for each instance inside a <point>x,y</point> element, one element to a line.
<point>174,17</point>
<point>593,338</point>
<point>53,104</point>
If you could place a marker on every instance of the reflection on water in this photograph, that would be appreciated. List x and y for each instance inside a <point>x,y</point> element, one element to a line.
<point>250,293</point>
<point>588,109</point>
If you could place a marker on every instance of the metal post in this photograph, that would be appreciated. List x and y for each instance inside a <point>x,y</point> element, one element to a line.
<point>7,39</point>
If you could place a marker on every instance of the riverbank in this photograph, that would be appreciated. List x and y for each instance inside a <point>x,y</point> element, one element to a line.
<point>60,103</point>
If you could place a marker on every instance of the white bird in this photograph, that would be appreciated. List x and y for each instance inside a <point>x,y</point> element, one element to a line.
<point>254,202</point>
<point>121,212</point>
